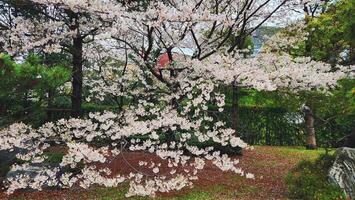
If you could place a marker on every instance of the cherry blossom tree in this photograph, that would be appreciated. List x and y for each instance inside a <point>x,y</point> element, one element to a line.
<point>53,26</point>
<point>301,75</point>
<point>167,112</point>
<point>147,29</point>
<point>192,120</point>
<point>289,41</point>
<point>183,159</point>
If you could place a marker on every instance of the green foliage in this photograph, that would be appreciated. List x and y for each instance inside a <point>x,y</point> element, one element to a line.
<point>335,113</point>
<point>25,84</point>
<point>330,39</point>
<point>308,180</point>
<point>31,74</point>
<point>269,115</point>
<point>268,125</point>
<point>53,157</point>
<point>331,35</point>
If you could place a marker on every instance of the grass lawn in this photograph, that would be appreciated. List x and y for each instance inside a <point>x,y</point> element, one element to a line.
<point>268,164</point>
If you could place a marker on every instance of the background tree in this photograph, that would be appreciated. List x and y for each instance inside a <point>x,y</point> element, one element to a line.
<point>25,86</point>
<point>53,27</point>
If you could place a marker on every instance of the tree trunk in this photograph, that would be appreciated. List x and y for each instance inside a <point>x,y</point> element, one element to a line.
<point>235,107</point>
<point>49,106</point>
<point>77,76</point>
<point>239,43</point>
<point>308,114</point>
<point>308,45</point>
<point>309,123</point>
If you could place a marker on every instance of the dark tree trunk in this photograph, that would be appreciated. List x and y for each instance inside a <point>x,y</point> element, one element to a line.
<point>308,113</point>
<point>308,46</point>
<point>235,107</point>
<point>239,43</point>
<point>77,76</point>
<point>309,123</point>
<point>49,106</point>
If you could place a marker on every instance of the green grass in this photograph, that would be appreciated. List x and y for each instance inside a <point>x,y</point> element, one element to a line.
<point>308,180</point>
<point>195,194</point>
<point>110,193</point>
<point>247,189</point>
<point>302,152</point>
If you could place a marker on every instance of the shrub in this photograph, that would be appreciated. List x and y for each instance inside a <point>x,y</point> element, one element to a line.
<point>308,180</point>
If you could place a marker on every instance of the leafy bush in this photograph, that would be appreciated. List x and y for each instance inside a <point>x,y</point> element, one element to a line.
<point>308,180</point>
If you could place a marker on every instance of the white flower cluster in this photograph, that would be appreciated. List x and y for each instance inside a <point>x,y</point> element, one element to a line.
<point>82,152</point>
<point>159,184</point>
<point>165,113</point>
<point>79,135</point>
<point>45,176</point>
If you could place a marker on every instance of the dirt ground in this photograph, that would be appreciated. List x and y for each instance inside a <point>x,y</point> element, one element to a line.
<point>268,164</point>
